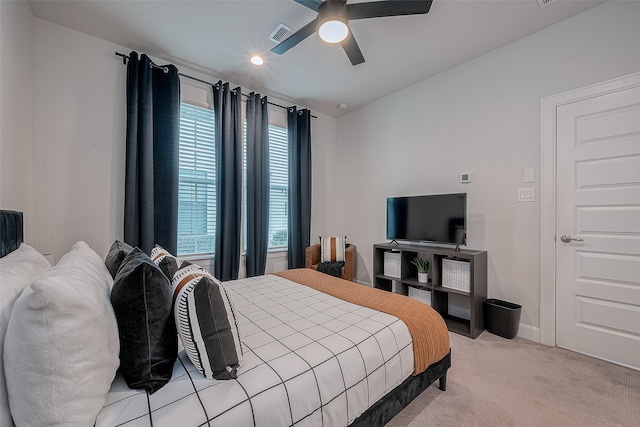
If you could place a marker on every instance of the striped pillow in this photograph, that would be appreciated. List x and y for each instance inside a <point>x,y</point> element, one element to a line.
<point>332,248</point>
<point>166,261</point>
<point>206,322</point>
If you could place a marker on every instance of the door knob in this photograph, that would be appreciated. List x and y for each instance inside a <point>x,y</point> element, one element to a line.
<point>567,239</point>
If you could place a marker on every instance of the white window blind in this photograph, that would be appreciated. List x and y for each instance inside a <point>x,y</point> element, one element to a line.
<point>197,191</point>
<point>279,192</point>
<point>279,187</point>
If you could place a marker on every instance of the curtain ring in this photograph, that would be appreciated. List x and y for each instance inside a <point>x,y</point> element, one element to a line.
<point>164,69</point>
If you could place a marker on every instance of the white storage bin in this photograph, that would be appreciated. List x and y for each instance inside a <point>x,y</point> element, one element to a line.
<point>392,264</point>
<point>456,274</point>
<point>423,295</point>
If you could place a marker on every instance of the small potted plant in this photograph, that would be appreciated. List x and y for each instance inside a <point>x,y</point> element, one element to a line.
<point>423,269</point>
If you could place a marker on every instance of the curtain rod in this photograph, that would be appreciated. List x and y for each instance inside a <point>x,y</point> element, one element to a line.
<point>126,57</point>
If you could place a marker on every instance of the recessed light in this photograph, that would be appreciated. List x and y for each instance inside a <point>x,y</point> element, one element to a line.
<point>256,60</point>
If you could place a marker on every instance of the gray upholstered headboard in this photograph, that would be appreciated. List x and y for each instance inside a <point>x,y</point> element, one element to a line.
<point>10,231</point>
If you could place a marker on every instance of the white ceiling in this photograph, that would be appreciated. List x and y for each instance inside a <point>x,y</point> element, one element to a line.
<point>221,36</point>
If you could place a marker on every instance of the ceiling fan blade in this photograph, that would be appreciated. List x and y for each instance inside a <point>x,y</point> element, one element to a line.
<point>296,37</point>
<point>311,4</point>
<point>352,49</point>
<point>378,9</point>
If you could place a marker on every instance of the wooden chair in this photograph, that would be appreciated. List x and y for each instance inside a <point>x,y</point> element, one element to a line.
<point>312,259</point>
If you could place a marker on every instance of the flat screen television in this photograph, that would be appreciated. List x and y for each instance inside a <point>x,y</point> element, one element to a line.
<point>438,218</point>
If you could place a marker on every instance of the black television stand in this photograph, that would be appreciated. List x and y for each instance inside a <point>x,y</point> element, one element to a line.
<point>449,302</point>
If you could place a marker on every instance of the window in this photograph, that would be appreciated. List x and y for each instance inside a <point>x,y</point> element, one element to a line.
<point>197,192</point>
<point>279,192</point>
<point>197,177</point>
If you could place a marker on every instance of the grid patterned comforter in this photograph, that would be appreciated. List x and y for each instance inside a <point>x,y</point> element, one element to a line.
<point>310,359</point>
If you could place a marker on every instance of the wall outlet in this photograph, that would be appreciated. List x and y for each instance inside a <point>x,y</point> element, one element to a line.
<point>527,194</point>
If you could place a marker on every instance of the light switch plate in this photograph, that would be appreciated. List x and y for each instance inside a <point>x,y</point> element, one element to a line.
<point>528,175</point>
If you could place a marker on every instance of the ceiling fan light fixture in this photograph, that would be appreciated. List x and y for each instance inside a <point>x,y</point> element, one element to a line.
<point>333,17</point>
<point>334,30</point>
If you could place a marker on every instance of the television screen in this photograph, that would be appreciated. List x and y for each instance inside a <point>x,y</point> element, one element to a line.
<point>440,218</point>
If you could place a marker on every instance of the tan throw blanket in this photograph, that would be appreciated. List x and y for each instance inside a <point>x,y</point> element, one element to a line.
<point>428,330</point>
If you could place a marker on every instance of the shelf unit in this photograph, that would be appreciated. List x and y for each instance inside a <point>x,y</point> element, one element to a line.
<point>470,301</point>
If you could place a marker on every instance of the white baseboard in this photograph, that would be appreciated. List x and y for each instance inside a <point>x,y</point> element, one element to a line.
<point>529,332</point>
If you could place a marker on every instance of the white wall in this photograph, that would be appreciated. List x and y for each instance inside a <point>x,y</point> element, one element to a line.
<point>482,117</point>
<point>16,166</point>
<point>323,183</point>
<point>79,123</point>
<point>78,140</point>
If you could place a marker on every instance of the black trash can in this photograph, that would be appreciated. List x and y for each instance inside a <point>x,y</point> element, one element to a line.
<point>501,317</point>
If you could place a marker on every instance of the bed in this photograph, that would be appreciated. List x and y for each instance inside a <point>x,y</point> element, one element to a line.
<point>317,351</point>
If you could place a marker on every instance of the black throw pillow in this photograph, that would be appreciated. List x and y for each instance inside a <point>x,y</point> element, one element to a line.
<point>142,301</point>
<point>119,250</point>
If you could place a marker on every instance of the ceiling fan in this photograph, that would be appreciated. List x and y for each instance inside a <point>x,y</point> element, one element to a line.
<point>333,18</point>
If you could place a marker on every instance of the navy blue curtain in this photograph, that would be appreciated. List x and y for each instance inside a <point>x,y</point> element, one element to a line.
<point>258,184</point>
<point>151,170</point>
<point>299,129</point>
<point>227,104</point>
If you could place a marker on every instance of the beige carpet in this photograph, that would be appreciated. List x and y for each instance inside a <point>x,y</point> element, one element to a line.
<point>498,382</point>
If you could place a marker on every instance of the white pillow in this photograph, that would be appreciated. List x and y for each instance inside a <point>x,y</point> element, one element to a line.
<point>16,271</point>
<point>61,348</point>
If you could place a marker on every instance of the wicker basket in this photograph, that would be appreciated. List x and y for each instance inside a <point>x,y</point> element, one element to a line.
<point>422,295</point>
<point>456,274</point>
<point>392,264</point>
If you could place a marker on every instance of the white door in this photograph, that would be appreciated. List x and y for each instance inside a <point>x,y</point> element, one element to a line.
<point>598,204</point>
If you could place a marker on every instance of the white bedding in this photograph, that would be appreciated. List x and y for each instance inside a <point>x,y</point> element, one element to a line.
<point>310,359</point>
